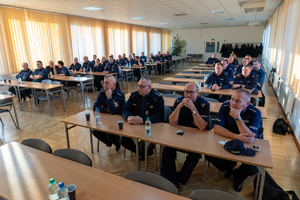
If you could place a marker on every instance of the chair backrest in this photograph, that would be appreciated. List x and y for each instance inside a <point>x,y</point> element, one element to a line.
<point>209,68</point>
<point>210,99</point>
<point>153,180</point>
<point>211,194</point>
<point>188,72</point>
<point>37,144</point>
<point>6,101</point>
<point>166,83</point>
<point>200,55</point>
<point>74,155</point>
<point>46,81</point>
<point>166,113</point>
<point>171,95</point>
<point>205,72</point>
<point>56,82</point>
<point>120,73</point>
<point>181,84</point>
<point>6,92</point>
<point>197,77</point>
<point>178,77</point>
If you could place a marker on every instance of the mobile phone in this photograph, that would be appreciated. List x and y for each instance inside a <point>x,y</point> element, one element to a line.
<point>256,148</point>
<point>180,132</point>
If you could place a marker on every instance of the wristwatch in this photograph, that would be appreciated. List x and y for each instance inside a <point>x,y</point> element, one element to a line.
<point>238,118</point>
<point>241,85</point>
<point>219,87</point>
<point>142,120</point>
<point>194,111</point>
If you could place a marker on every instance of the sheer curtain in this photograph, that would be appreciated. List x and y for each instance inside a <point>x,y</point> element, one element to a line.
<point>32,36</point>
<point>165,40</point>
<point>139,40</point>
<point>117,38</point>
<point>87,36</point>
<point>154,40</point>
<point>4,64</point>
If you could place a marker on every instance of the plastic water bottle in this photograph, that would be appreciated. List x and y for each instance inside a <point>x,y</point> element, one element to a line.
<point>205,77</point>
<point>52,189</point>
<point>199,85</point>
<point>91,70</point>
<point>83,69</point>
<point>148,127</point>
<point>50,74</point>
<point>20,81</point>
<point>129,63</point>
<point>63,192</point>
<point>97,115</point>
<point>1,78</point>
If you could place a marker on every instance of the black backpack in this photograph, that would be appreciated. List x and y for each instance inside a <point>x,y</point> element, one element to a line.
<point>280,126</point>
<point>272,191</point>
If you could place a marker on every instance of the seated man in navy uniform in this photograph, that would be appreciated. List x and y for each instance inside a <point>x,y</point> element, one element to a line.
<point>86,64</point>
<point>61,70</point>
<point>151,58</point>
<point>120,61</point>
<point>24,75</point>
<point>228,69</point>
<point>193,111</point>
<point>125,59</point>
<point>111,67</point>
<point>237,119</point>
<point>51,67</point>
<point>104,62</point>
<point>138,63</point>
<point>110,100</point>
<point>245,79</point>
<point>94,60</point>
<point>259,72</point>
<point>40,73</point>
<point>143,57</point>
<point>130,61</point>
<point>232,60</point>
<point>98,68</point>
<point>159,58</point>
<point>240,67</point>
<point>75,66</point>
<point>168,57</point>
<point>133,56</point>
<point>212,59</point>
<point>250,59</point>
<point>143,103</point>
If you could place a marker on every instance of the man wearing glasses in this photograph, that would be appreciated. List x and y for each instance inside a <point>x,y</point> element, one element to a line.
<point>143,103</point>
<point>193,111</point>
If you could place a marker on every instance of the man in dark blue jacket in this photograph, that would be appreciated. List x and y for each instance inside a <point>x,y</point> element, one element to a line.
<point>94,60</point>
<point>40,73</point>
<point>159,59</point>
<point>151,58</point>
<point>125,59</point>
<point>75,66</point>
<point>143,103</point>
<point>168,57</point>
<point>228,69</point>
<point>259,72</point>
<point>111,66</point>
<point>245,79</point>
<point>120,61</point>
<point>237,119</point>
<point>138,63</point>
<point>192,111</point>
<point>87,65</point>
<point>212,59</point>
<point>143,57</point>
<point>240,67</point>
<point>110,100</point>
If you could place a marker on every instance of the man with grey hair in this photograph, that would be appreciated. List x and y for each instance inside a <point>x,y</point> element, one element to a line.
<point>212,59</point>
<point>75,66</point>
<point>86,64</point>
<point>237,119</point>
<point>142,104</point>
<point>110,100</point>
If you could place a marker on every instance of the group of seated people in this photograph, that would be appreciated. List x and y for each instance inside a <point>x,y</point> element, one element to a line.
<point>237,119</point>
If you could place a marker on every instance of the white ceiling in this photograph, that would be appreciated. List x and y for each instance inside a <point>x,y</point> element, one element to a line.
<point>156,11</point>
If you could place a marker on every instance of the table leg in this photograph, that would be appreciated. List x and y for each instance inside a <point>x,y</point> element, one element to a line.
<point>94,90</point>
<point>261,179</point>
<point>136,141</point>
<point>63,97</point>
<point>17,89</point>
<point>67,135</point>
<point>146,155</point>
<point>49,104</point>
<point>91,139</point>
<point>15,113</point>
<point>82,92</point>
<point>257,101</point>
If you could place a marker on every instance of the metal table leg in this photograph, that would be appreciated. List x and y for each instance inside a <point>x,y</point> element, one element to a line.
<point>67,135</point>
<point>91,139</point>
<point>146,155</point>
<point>82,90</point>
<point>63,97</point>
<point>261,179</point>
<point>49,104</point>
<point>136,141</point>
<point>94,90</point>
<point>17,89</point>
<point>15,113</point>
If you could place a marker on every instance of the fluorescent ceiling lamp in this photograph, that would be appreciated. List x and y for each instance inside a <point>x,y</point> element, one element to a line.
<point>228,19</point>
<point>137,18</point>
<point>92,8</point>
<point>231,24</point>
<point>179,26</point>
<point>217,11</point>
<point>163,23</point>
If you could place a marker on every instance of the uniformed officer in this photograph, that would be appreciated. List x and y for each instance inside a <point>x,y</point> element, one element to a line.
<point>111,67</point>
<point>75,66</point>
<point>143,103</point>
<point>233,60</point>
<point>113,58</point>
<point>228,69</point>
<point>133,56</point>
<point>259,72</point>
<point>192,111</point>
<point>250,59</point>
<point>138,63</point>
<point>240,67</point>
<point>143,57</point>
<point>61,69</point>
<point>40,73</point>
<point>168,57</point>
<point>98,68</point>
<point>120,61</point>
<point>51,67</point>
<point>245,79</point>
<point>25,76</point>
<point>104,62</point>
<point>125,59</point>
<point>158,59</point>
<point>212,59</point>
<point>110,100</point>
<point>86,64</point>
<point>130,60</point>
<point>151,58</point>
<point>237,119</point>
<point>94,60</point>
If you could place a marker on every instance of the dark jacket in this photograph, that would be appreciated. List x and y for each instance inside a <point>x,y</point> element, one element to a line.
<point>24,75</point>
<point>250,82</point>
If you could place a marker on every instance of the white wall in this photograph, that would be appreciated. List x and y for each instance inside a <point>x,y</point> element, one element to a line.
<point>196,38</point>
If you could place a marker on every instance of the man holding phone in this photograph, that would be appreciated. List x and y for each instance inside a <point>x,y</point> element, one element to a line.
<point>237,119</point>
<point>193,111</point>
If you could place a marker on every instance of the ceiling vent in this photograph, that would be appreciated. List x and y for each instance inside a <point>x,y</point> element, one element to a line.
<point>182,14</point>
<point>256,23</point>
<point>254,7</point>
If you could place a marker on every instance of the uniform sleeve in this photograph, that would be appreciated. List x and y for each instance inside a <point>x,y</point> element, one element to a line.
<point>221,119</point>
<point>208,83</point>
<point>115,69</point>
<point>27,76</point>
<point>207,61</point>
<point>253,83</point>
<point>226,84</point>
<point>112,108</point>
<point>230,75</point>
<point>261,77</point>
<point>176,103</point>
<point>17,76</point>
<point>254,124</point>
<point>159,111</point>
<point>205,111</point>
<point>98,104</point>
<point>126,109</point>
<point>236,80</point>
<point>78,67</point>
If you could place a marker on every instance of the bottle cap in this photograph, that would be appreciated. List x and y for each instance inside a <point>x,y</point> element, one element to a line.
<point>148,118</point>
<point>52,181</point>
<point>97,108</point>
<point>61,184</point>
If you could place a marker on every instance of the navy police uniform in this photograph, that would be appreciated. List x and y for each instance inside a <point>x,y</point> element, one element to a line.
<point>250,82</point>
<point>42,72</point>
<point>120,62</point>
<point>143,58</point>
<point>24,75</point>
<point>75,67</point>
<point>112,68</point>
<point>168,167</point>
<point>137,72</point>
<point>169,58</point>
<point>152,59</point>
<point>260,77</point>
<point>98,79</point>
<point>160,67</point>
<point>152,106</point>
<point>50,69</point>
<point>63,70</point>
<point>251,116</point>
<point>239,69</point>
<point>212,60</point>
<point>87,65</point>
<point>107,106</point>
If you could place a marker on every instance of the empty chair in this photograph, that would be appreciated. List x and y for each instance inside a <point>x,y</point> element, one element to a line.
<point>37,144</point>
<point>200,56</point>
<point>210,99</point>
<point>178,77</point>
<point>211,194</point>
<point>197,77</point>
<point>36,94</point>
<point>209,68</point>
<point>9,102</point>
<point>165,91</point>
<point>86,86</point>
<point>206,72</point>
<point>153,180</point>
<point>188,72</point>
<point>120,77</point>
<point>171,95</point>
<point>74,155</point>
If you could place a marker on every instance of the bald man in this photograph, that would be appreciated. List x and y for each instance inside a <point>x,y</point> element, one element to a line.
<point>87,65</point>
<point>212,60</point>
<point>193,111</point>
<point>142,104</point>
<point>110,100</point>
<point>51,67</point>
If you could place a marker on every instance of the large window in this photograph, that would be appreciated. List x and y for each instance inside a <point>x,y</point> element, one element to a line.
<point>155,40</point>
<point>139,40</point>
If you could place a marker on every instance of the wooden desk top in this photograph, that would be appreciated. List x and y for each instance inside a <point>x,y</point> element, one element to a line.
<point>34,85</point>
<point>207,65</point>
<point>93,73</point>
<point>25,172</point>
<point>109,186</point>
<point>73,79</point>
<point>150,64</point>
<point>109,124</point>
<point>197,70</point>
<point>188,75</point>
<point>124,67</point>
<point>5,96</point>
<point>203,68</point>
<point>180,88</point>
<point>206,142</point>
<point>127,70</point>
<point>183,80</point>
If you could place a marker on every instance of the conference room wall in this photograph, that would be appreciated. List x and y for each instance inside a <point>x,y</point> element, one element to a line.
<point>196,38</point>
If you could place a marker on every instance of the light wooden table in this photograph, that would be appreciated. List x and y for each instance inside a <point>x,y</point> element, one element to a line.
<point>93,73</point>
<point>109,186</point>
<point>189,75</point>
<point>153,66</point>
<point>25,172</point>
<point>183,80</point>
<point>109,124</point>
<point>197,70</point>
<point>4,101</point>
<point>206,65</point>
<point>82,80</point>
<point>207,143</point>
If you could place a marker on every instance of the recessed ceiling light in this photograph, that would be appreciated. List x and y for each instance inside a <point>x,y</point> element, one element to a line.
<point>179,26</point>
<point>163,23</point>
<point>137,18</point>
<point>92,8</point>
<point>228,19</point>
<point>231,24</point>
<point>182,14</point>
<point>217,11</point>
